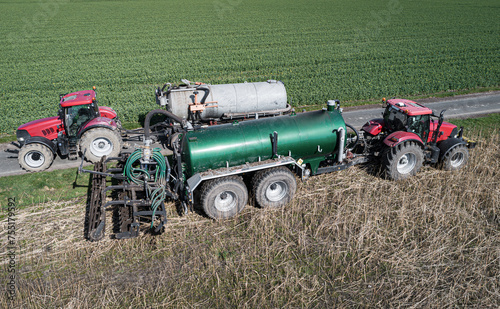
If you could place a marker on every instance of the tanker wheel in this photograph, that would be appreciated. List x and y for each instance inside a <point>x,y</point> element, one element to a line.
<point>455,159</point>
<point>35,157</point>
<point>403,161</point>
<point>274,188</point>
<point>224,198</point>
<point>100,142</point>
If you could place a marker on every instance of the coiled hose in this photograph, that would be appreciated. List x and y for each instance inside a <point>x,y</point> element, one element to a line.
<point>141,176</point>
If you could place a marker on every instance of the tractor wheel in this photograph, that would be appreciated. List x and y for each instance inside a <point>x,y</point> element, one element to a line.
<point>455,159</point>
<point>100,142</point>
<point>35,157</point>
<point>274,188</point>
<point>402,161</point>
<point>224,198</point>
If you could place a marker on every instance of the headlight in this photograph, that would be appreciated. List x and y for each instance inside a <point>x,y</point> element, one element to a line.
<point>22,136</point>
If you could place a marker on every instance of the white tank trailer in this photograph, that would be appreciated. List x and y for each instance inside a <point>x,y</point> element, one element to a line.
<point>205,102</point>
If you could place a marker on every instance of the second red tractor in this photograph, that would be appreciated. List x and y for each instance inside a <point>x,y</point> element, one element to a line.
<point>410,135</point>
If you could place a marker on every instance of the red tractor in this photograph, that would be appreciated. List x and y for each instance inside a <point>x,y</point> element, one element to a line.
<point>81,126</point>
<point>411,135</point>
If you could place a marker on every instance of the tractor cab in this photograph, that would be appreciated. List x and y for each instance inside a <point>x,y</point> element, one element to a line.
<point>408,116</point>
<point>77,109</point>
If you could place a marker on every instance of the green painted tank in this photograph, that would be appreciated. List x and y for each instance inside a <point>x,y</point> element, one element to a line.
<point>310,136</point>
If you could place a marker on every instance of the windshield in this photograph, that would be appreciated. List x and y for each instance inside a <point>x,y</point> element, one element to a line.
<point>76,116</point>
<point>394,119</point>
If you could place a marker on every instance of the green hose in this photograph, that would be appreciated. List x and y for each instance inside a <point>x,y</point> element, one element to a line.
<point>137,176</point>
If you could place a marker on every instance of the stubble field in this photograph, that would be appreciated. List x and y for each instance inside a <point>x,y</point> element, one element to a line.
<point>349,239</point>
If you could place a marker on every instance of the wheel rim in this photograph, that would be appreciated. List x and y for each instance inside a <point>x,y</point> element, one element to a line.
<point>457,159</point>
<point>34,159</point>
<point>276,191</point>
<point>225,201</point>
<point>101,147</point>
<point>407,163</point>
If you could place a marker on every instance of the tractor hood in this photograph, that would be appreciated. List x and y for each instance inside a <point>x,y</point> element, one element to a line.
<point>46,127</point>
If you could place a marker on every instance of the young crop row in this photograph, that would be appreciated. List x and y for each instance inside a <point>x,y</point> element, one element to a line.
<point>349,50</point>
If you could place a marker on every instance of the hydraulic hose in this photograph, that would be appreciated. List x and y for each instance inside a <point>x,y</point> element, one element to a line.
<point>147,131</point>
<point>357,135</point>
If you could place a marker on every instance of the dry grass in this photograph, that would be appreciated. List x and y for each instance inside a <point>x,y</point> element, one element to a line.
<point>348,240</point>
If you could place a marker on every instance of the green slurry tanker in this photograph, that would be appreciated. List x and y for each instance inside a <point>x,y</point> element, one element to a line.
<point>217,167</point>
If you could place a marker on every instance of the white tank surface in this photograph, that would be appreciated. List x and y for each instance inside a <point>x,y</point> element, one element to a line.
<point>204,102</point>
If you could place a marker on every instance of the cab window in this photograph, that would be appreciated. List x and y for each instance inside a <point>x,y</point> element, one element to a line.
<point>76,116</point>
<point>395,119</point>
<point>419,125</point>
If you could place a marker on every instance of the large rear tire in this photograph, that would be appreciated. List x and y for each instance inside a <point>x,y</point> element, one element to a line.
<point>224,198</point>
<point>274,188</point>
<point>402,161</point>
<point>35,157</point>
<point>455,159</point>
<point>100,142</point>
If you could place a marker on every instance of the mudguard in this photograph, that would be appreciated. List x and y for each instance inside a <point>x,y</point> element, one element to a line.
<point>44,141</point>
<point>447,145</point>
<point>101,122</point>
<point>374,126</point>
<point>107,112</point>
<point>401,136</point>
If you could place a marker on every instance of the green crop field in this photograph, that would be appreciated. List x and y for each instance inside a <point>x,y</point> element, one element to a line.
<point>349,50</point>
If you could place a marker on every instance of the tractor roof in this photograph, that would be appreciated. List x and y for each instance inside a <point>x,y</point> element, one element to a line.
<point>409,107</point>
<point>78,98</point>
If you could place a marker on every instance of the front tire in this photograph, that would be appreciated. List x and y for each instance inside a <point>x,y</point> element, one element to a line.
<point>455,159</point>
<point>35,157</point>
<point>274,188</point>
<point>402,161</point>
<point>100,142</point>
<point>224,198</point>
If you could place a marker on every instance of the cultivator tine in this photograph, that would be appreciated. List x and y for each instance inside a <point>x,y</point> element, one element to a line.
<point>128,227</point>
<point>131,211</point>
<point>96,212</point>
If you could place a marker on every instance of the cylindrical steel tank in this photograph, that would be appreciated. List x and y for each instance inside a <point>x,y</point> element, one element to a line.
<point>227,100</point>
<point>305,135</point>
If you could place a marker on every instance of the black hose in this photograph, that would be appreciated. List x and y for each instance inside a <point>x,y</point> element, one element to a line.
<point>207,92</point>
<point>147,131</point>
<point>357,135</point>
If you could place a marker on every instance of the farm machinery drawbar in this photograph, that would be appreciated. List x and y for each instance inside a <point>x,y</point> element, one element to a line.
<point>217,167</point>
